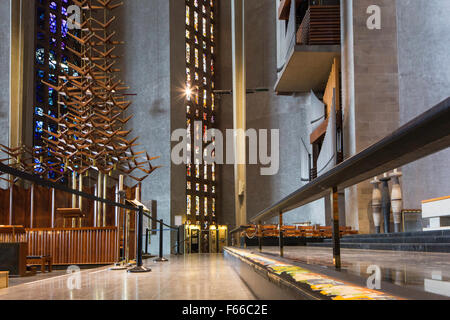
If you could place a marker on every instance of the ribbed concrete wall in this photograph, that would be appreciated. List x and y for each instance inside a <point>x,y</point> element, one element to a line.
<point>424,66</point>
<point>376,96</point>
<point>264,111</point>
<point>145,28</point>
<point>4,69</point>
<point>4,72</point>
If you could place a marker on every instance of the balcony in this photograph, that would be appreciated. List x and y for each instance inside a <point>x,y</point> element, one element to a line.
<point>321,25</point>
<point>309,37</point>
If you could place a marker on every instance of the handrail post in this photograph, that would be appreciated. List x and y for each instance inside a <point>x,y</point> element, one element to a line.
<point>281,236</point>
<point>161,241</point>
<point>334,196</point>
<point>260,236</point>
<point>139,262</point>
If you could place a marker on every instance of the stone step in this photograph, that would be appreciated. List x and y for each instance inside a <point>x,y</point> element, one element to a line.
<point>415,239</point>
<point>419,247</point>
<point>436,233</point>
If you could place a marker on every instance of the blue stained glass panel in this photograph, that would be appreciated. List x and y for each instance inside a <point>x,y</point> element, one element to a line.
<point>53,23</point>
<point>52,60</point>
<point>38,111</point>
<point>40,55</point>
<point>64,28</point>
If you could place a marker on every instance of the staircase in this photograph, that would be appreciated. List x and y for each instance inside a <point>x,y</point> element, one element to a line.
<point>430,241</point>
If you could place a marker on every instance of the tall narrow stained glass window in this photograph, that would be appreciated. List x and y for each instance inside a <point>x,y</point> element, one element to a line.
<point>52,57</point>
<point>200,109</point>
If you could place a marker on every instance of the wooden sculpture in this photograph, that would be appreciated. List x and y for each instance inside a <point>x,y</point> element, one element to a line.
<point>92,130</point>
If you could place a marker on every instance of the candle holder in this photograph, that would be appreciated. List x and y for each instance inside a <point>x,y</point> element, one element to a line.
<point>396,199</point>
<point>386,203</point>
<point>376,204</point>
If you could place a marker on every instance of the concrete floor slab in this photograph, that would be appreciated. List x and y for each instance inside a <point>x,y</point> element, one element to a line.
<point>193,277</point>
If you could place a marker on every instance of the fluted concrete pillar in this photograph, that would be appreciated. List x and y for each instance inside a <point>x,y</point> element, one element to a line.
<point>239,110</point>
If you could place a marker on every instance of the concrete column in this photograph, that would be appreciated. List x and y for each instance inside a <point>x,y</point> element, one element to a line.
<point>16,74</point>
<point>5,25</point>
<point>21,76</point>
<point>239,110</point>
<point>348,101</point>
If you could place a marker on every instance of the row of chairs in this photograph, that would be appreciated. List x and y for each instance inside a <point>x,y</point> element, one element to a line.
<point>296,231</point>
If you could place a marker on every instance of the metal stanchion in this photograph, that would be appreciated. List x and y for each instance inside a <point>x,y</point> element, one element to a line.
<point>122,265</point>
<point>139,262</point>
<point>260,236</point>
<point>146,240</point>
<point>336,231</point>
<point>161,241</point>
<point>281,239</point>
<point>178,242</point>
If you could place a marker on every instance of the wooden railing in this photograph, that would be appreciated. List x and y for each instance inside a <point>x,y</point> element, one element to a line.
<point>12,234</point>
<point>75,246</point>
<point>320,26</point>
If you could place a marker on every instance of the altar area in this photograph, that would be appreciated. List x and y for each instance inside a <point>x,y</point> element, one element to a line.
<point>42,220</point>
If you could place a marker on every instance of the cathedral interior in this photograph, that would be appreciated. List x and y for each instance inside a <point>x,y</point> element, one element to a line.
<point>224,150</point>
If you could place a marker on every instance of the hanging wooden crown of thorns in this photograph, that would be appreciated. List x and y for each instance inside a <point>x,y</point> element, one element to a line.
<point>91,133</point>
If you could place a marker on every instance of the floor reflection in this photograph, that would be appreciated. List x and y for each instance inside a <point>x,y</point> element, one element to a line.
<point>429,272</point>
<point>194,277</point>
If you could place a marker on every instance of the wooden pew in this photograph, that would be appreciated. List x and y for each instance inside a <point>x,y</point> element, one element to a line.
<point>42,261</point>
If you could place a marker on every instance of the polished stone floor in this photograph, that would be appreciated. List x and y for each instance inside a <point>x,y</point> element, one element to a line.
<point>193,277</point>
<point>15,281</point>
<point>429,272</point>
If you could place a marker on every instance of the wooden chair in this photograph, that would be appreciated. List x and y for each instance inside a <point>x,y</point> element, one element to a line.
<point>43,261</point>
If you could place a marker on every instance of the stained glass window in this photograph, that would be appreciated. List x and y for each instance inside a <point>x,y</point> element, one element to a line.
<point>200,107</point>
<point>51,62</point>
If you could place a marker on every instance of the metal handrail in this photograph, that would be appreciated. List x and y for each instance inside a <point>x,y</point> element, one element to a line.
<point>140,210</point>
<point>48,184</point>
<point>426,134</point>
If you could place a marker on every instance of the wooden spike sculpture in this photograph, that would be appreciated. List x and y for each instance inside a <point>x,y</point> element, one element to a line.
<point>91,131</point>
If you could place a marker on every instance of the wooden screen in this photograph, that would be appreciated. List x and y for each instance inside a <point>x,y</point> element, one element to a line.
<point>201,109</point>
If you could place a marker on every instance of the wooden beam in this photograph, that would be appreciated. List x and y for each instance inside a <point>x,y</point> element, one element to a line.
<point>284,10</point>
<point>319,132</point>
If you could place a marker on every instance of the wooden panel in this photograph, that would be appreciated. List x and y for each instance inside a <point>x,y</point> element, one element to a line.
<point>74,246</point>
<point>320,26</point>
<point>333,85</point>
<point>21,209</point>
<point>284,10</point>
<point>42,207</point>
<point>13,258</point>
<point>4,277</point>
<point>4,206</point>
<point>320,131</point>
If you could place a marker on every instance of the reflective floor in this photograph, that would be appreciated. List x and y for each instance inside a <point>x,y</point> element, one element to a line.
<point>429,272</point>
<point>194,277</point>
